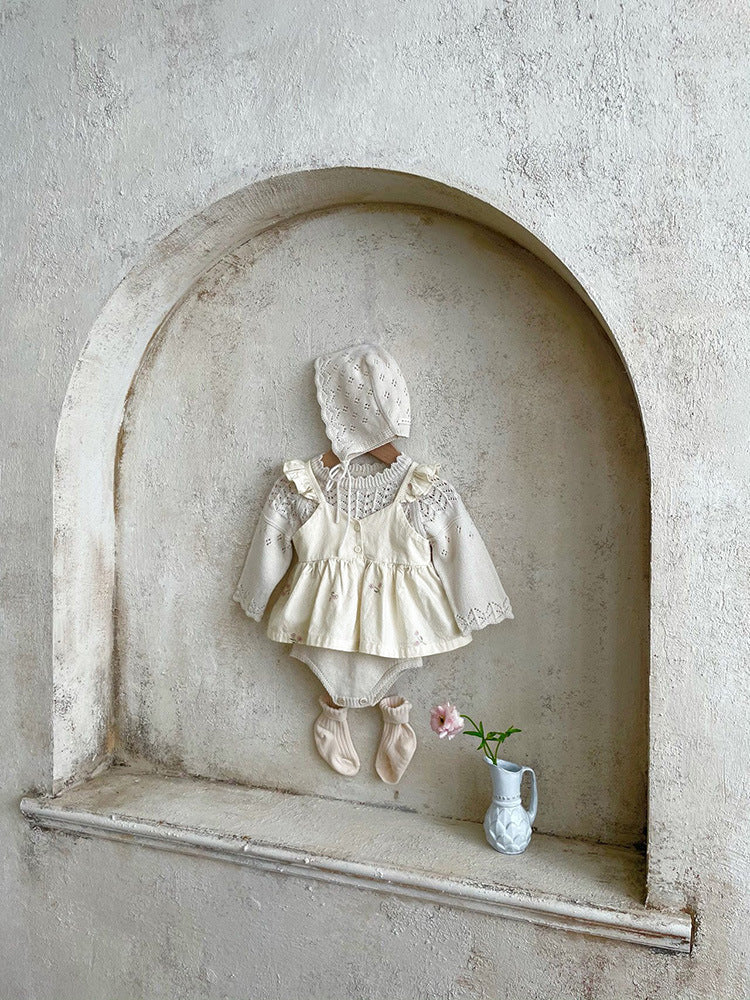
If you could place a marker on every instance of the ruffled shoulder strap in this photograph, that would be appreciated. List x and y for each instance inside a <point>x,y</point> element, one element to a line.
<point>300,473</point>
<point>422,480</point>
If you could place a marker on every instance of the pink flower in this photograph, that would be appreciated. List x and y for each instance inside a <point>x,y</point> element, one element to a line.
<point>446,720</point>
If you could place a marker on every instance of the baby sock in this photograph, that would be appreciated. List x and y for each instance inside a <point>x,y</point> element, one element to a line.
<point>397,742</point>
<point>333,739</point>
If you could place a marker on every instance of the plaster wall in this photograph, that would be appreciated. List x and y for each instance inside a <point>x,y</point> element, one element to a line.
<point>616,134</point>
<point>516,390</point>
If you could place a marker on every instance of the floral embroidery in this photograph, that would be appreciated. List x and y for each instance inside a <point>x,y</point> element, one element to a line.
<point>436,513</point>
<point>275,537</point>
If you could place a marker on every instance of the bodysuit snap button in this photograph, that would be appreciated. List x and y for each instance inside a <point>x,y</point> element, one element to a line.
<point>357,548</point>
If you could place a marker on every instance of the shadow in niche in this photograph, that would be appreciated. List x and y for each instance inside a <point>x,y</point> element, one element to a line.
<point>516,390</point>
<point>552,465</point>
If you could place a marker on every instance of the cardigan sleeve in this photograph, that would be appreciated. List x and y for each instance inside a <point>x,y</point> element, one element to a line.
<point>461,559</point>
<point>271,549</point>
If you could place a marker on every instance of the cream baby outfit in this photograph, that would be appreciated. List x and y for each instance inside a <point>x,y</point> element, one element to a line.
<point>379,569</point>
<point>440,525</point>
<point>364,585</point>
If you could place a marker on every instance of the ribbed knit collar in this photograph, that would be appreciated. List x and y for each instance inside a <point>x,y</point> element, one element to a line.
<point>363,478</point>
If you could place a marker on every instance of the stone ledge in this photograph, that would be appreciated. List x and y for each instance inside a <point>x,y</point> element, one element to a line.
<point>569,885</point>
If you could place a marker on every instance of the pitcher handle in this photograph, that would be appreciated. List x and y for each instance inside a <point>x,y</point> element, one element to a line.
<point>533,803</point>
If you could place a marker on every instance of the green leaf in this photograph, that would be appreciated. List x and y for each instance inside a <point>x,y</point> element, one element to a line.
<point>502,736</point>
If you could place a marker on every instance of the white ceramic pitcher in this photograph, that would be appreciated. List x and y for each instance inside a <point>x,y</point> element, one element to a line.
<point>507,825</point>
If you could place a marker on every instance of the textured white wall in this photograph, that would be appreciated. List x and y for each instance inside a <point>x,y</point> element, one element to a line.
<point>521,396</point>
<point>617,136</point>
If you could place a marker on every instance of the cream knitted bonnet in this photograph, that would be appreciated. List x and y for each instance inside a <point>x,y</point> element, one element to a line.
<point>363,399</point>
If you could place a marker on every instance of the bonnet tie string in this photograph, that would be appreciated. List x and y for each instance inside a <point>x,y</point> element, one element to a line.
<point>337,475</point>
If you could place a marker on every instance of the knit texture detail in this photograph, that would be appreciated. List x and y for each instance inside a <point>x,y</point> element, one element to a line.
<point>371,492</point>
<point>398,740</point>
<point>333,739</point>
<point>363,398</point>
<point>458,553</point>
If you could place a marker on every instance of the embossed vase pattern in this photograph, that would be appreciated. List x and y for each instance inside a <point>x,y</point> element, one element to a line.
<point>507,825</point>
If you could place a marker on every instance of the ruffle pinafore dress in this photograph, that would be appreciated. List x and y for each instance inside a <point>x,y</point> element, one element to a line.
<point>363,585</point>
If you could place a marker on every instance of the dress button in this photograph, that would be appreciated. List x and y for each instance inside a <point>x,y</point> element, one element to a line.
<point>357,548</point>
<point>357,526</point>
<point>363,701</point>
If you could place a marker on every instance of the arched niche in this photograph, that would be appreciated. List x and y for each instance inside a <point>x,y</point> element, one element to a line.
<point>105,701</point>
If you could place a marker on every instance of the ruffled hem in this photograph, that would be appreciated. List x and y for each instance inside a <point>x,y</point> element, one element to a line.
<point>326,641</point>
<point>383,609</point>
<point>298,472</point>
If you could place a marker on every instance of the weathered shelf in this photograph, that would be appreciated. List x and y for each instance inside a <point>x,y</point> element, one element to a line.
<point>566,884</point>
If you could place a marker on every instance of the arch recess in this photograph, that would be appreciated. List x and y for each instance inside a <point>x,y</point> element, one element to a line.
<point>87,440</point>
